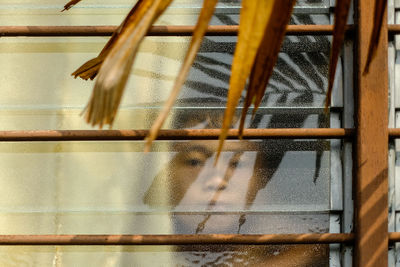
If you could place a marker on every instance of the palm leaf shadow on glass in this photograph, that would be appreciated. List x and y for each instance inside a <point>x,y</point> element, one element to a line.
<point>251,61</point>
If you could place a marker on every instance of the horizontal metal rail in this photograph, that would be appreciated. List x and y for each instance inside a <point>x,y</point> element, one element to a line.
<point>236,239</point>
<point>13,31</point>
<point>394,133</point>
<point>191,134</point>
<point>222,30</point>
<point>394,237</point>
<point>393,29</point>
<point>222,239</point>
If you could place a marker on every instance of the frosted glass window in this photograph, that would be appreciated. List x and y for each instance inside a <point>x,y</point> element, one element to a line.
<point>273,186</point>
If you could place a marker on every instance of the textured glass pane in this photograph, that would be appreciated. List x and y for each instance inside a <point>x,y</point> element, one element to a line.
<point>103,12</point>
<point>271,256</point>
<point>69,118</point>
<point>279,186</point>
<point>113,187</point>
<point>53,99</point>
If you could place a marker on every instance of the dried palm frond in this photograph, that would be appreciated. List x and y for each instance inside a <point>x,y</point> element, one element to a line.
<point>261,32</point>
<point>70,4</point>
<point>115,69</point>
<point>380,8</point>
<point>267,55</point>
<point>254,17</point>
<point>90,69</point>
<point>201,27</point>
<point>341,13</point>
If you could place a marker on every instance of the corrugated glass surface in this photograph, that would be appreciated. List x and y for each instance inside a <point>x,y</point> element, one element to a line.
<point>279,186</point>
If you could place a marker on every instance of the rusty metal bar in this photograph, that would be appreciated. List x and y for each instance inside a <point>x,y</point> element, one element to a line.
<point>40,31</point>
<point>71,135</point>
<point>223,30</point>
<point>223,239</point>
<point>394,133</point>
<point>393,29</point>
<point>394,237</point>
<point>371,162</point>
<point>41,240</point>
<point>192,134</point>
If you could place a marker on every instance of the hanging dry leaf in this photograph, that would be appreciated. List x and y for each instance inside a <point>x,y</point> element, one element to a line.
<point>341,13</point>
<point>201,27</point>
<point>115,69</point>
<point>267,55</point>
<point>254,16</point>
<point>90,69</point>
<point>70,4</point>
<point>261,22</point>
<point>380,8</point>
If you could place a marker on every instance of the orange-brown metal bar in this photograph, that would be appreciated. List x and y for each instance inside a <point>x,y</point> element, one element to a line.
<point>12,31</point>
<point>42,240</point>
<point>393,28</point>
<point>394,133</point>
<point>192,134</point>
<point>371,185</point>
<point>394,237</point>
<point>223,30</point>
<point>224,239</point>
<point>71,135</point>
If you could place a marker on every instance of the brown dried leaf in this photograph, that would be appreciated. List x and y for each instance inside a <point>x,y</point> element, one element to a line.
<point>341,13</point>
<point>70,4</point>
<point>267,55</point>
<point>115,70</point>
<point>202,23</point>
<point>254,16</point>
<point>380,8</point>
<point>90,69</point>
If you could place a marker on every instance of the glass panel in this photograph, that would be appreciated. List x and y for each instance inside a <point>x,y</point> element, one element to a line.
<point>271,256</point>
<point>49,98</point>
<point>113,187</point>
<point>279,186</point>
<point>103,12</point>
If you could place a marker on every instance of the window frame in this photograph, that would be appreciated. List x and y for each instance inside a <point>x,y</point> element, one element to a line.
<point>361,137</point>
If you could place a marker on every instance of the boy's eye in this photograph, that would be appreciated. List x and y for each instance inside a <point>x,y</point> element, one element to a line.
<point>194,158</point>
<point>194,162</point>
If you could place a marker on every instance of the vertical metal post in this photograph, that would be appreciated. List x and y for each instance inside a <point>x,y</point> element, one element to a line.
<point>371,194</point>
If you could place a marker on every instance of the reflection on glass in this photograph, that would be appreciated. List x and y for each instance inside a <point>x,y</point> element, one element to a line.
<point>218,196</point>
<point>113,188</point>
<point>257,187</point>
<point>192,182</point>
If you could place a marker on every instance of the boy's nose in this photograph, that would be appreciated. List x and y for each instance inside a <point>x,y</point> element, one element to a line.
<point>216,182</point>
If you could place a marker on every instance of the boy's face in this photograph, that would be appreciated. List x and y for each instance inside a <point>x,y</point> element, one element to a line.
<point>222,187</point>
<point>196,185</point>
<point>205,187</point>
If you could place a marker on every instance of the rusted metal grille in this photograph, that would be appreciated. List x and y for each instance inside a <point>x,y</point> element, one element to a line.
<point>370,238</point>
